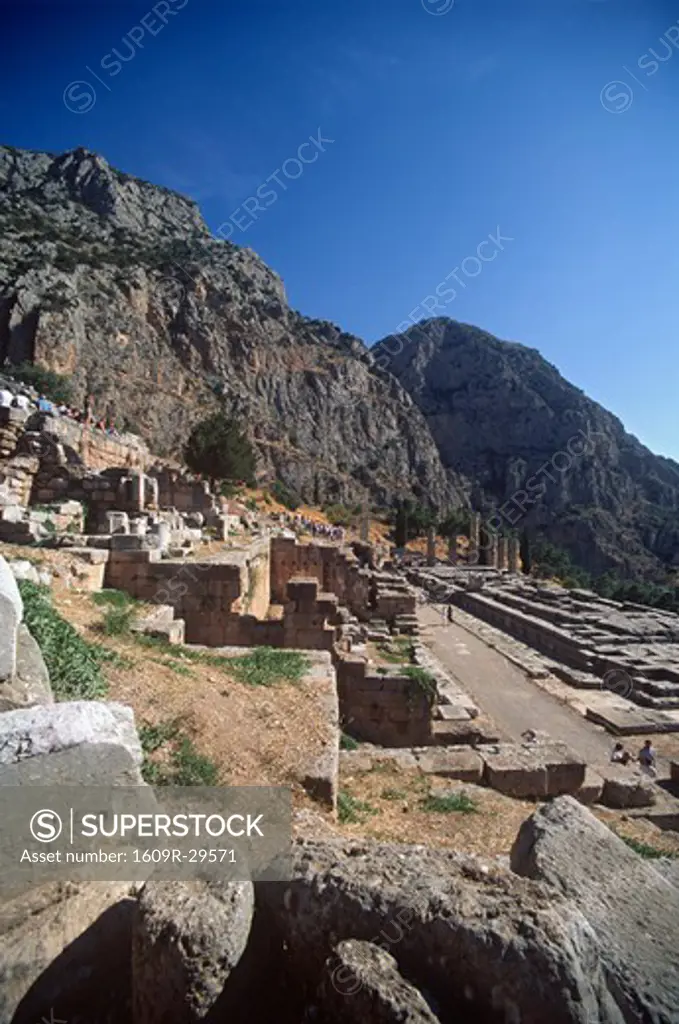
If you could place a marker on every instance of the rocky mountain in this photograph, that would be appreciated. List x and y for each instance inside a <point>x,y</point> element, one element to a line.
<point>119,283</point>
<point>535,451</point>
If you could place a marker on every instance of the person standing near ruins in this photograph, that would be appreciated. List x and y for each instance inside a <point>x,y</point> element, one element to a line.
<point>647,758</point>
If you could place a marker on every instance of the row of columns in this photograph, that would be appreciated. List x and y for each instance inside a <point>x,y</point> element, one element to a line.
<point>498,552</point>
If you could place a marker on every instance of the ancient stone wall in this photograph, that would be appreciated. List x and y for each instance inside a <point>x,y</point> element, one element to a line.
<point>223,603</point>
<point>338,572</point>
<point>391,710</point>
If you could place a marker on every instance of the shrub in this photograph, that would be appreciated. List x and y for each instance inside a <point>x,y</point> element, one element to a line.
<point>74,665</point>
<point>424,680</point>
<point>49,383</point>
<point>350,810</point>
<point>218,448</point>
<point>117,621</point>
<point>284,496</point>
<point>458,802</point>
<point>347,742</point>
<point>339,515</point>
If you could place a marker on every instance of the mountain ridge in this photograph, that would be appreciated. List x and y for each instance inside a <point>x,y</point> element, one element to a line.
<point>120,284</point>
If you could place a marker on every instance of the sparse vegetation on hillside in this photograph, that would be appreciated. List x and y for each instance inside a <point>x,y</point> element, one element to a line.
<point>53,385</point>
<point>73,663</point>
<point>551,562</point>
<point>183,765</point>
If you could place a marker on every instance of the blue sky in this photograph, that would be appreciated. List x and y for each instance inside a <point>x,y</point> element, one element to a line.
<point>548,119</point>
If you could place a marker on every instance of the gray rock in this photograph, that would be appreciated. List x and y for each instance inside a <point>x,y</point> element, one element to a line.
<point>490,403</point>
<point>65,947</point>
<point>668,867</point>
<point>31,683</point>
<point>478,938</point>
<point>37,731</point>
<point>362,983</point>
<point>624,787</point>
<point>23,570</point>
<point>188,937</point>
<point>303,387</point>
<point>11,614</point>
<point>633,910</point>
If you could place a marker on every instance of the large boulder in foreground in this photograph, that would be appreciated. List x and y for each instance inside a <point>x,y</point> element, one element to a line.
<point>188,938</point>
<point>633,910</point>
<point>483,943</point>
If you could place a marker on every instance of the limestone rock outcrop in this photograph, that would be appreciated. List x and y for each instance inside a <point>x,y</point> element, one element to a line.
<point>526,440</point>
<point>119,284</point>
<point>631,908</point>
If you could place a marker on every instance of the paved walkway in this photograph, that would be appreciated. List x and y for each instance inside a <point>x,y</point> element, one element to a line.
<point>507,695</point>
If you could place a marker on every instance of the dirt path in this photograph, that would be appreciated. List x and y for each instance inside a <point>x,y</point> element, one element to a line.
<point>505,693</point>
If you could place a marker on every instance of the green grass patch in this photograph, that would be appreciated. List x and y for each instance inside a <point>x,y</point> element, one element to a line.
<point>397,651</point>
<point>352,811</point>
<point>456,802</point>
<point>73,663</point>
<point>175,666</point>
<point>184,766</point>
<point>152,737</point>
<point>189,768</point>
<point>115,598</point>
<point>392,794</point>
<point>265,666</point>
<point>347,742</point>
<point>643,849</point>
<point>117,621</point>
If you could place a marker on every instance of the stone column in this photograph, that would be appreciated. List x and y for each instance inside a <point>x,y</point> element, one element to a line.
<point>452,550</point>
<point>431,546</point>
<point>474,538</point>
<point>502,553</point>
<point>492,549</point>
<point>514,560</point>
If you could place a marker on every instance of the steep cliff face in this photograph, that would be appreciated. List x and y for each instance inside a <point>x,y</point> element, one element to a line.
<point>120,284</point>
<point>537,448</point>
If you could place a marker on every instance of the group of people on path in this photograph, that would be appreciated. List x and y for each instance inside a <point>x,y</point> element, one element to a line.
<point>302,524</point>
<point>646,757</point>
<point>21,400</point>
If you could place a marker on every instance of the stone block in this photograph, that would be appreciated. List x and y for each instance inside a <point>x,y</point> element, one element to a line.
<point>11,614</point>
<point>30,684</point>
<point>117,523</point>
<point>532,770</point>
<point>591,789</point>
<point>37,731</point>
<point>463,764</point>
<point>626,787</point>
<point>377,992</point>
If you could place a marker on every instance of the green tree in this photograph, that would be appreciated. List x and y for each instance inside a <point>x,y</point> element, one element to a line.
<point>219,449</point>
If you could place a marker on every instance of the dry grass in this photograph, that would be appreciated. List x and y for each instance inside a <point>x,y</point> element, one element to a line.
<point>397,795</point>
